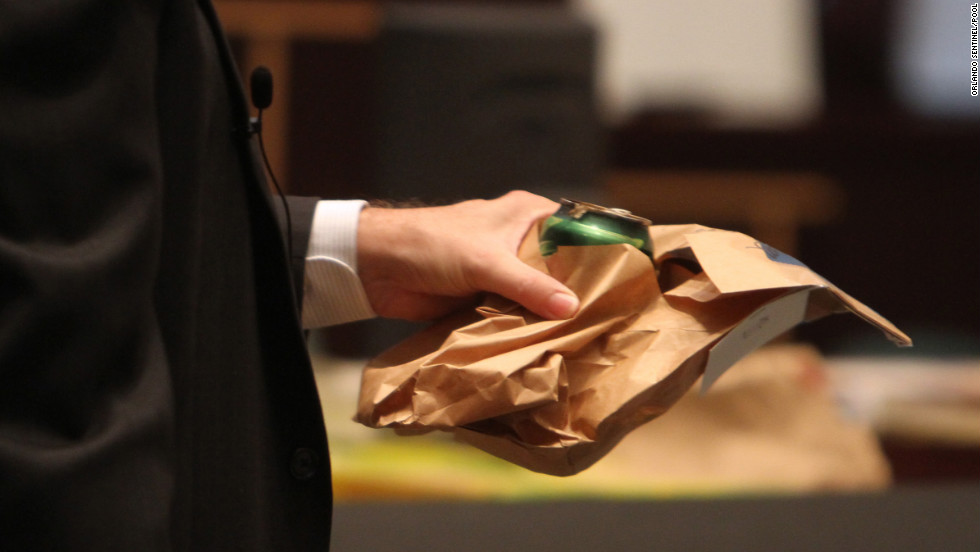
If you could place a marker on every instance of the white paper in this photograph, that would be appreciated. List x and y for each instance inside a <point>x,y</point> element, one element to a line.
<point>762,326</point>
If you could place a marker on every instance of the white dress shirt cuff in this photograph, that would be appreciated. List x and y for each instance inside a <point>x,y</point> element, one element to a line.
<point>332,291</point>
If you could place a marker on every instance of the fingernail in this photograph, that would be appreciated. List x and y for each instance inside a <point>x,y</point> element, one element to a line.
<point>562,305</point>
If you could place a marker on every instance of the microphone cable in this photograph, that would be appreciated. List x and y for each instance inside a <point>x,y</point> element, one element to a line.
<point>260,85</point>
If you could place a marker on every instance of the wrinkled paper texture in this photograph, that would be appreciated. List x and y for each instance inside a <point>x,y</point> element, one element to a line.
<point>555,396</point>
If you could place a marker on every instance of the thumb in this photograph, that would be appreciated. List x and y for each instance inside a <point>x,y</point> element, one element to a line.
<point>533,289</point>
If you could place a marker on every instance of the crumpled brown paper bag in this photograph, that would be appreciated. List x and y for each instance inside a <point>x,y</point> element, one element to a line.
<point>555,396</point>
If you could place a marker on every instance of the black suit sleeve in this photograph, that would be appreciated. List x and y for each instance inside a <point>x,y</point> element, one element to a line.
<point>300,225</point>
<point>83,401</point>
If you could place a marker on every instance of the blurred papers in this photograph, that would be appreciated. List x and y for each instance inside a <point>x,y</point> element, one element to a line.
<point>771,425</point>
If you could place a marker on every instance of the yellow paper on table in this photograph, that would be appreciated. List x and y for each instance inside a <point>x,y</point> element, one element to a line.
<point>555,396</point>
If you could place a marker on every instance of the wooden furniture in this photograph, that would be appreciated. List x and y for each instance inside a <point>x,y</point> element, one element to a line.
<point>267,30</point>
<point>770,206</point>
<point>910,519</point>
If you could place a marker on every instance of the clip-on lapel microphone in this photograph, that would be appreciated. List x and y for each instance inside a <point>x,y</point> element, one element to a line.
<point>260,86</point>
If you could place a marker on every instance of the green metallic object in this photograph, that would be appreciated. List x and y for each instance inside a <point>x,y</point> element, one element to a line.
<point>581,223</point>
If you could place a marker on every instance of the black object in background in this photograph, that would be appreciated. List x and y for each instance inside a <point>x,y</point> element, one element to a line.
<point>476,100</point>
<point>472,101</point>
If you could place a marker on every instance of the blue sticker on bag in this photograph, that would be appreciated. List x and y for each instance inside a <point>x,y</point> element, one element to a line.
<point>776,255</point>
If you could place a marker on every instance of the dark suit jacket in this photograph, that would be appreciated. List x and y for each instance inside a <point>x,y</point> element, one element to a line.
<point>155,391</point>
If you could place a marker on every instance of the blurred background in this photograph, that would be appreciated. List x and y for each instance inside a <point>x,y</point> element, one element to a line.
<point>843,133</point>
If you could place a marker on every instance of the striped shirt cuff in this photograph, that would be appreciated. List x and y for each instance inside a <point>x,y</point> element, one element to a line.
<point>332,292</point>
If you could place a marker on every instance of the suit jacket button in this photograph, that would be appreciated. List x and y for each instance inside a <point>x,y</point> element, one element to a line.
<point>304,464</point>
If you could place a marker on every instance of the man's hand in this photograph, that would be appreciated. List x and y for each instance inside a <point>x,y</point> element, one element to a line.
<point>421,263</point>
